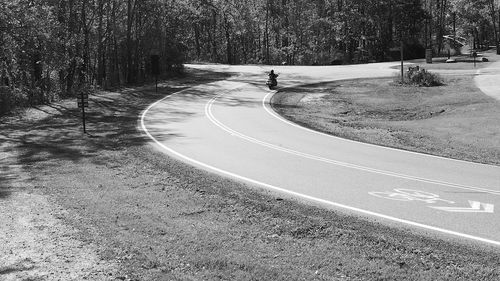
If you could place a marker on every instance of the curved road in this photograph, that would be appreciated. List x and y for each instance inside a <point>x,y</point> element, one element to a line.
<point>229,128</point>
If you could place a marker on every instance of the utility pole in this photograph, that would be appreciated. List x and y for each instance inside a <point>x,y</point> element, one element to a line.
<point>495,29</point>
<point>401,46</point>
<point>83,102</point>
<point>428,33</point>
<point>155,66</point>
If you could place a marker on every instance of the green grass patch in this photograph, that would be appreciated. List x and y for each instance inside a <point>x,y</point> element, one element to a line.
<point>455,120</point>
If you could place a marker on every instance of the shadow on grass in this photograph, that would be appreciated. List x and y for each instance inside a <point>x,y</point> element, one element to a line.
<point>4,193</point>
<point>24,265</point>
<point>57,136</point>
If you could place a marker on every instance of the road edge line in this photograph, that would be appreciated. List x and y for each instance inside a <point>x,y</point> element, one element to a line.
<point>311,198</point>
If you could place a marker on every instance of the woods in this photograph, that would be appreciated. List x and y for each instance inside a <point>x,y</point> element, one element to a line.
<point>51,49</point>
<point>58,48</point>
<point>334,31</point>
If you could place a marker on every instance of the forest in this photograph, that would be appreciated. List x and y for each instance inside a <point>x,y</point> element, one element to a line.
<point>50,49</point>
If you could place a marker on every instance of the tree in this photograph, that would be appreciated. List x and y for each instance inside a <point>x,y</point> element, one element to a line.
<point>63,47</point>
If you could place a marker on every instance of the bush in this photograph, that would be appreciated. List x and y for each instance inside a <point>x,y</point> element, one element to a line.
<point>420,77</point>
<point>11,99</point>
<point>5,103</point>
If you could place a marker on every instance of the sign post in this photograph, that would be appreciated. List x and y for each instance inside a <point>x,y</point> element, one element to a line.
<point>401,47</point>
<point>83,101</point>
<point>155,66</point>
<point>428,55</point>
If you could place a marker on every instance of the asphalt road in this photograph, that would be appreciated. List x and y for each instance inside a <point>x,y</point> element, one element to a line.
<point>229,128</point>
<point>488,79</point>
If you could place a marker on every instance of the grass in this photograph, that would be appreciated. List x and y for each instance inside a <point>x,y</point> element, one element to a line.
<point>455,120</point>
<point>160,219</point>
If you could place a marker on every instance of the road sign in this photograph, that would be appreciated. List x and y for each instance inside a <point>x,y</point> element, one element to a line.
<point>85,103</point>
<point>155,65</point>
<point>83,98</point>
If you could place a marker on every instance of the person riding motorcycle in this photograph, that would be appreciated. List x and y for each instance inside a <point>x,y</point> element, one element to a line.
<point>272,76</point>
<point>272,82</point>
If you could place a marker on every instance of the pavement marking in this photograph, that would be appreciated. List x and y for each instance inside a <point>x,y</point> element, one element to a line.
<point>311,198</point>
<point>211,117</point>
<point>475,207</point>
<point>402,194</point>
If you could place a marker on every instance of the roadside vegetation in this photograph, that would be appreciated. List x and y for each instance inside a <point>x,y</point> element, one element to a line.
<point>418,76</point>
<point>57,49</point>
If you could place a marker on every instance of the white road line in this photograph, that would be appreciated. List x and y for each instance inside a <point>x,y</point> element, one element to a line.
<point>311,198</point>
<point>265,103</point>
<point>213,119</point>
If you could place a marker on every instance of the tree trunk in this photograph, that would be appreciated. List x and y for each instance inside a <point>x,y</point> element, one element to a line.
<point>266,35</point>
<point>130,20</point>
<point>197,40</point>
<point>214,35</point>
<point>228,41</point>
<point>83,73</point>
<point>100,44</point>
<point>493,20</point>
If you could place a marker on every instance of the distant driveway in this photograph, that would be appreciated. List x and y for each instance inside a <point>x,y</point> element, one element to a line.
<point>488,80</point>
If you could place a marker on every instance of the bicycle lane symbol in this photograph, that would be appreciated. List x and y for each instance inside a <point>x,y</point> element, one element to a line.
<point>403,194</point>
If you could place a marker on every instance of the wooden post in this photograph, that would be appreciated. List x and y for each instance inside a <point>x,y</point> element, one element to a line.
<point>83,115</point>
<point>402,58</point>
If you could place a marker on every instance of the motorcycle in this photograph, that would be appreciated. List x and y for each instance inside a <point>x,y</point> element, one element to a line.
<point>272,82</point>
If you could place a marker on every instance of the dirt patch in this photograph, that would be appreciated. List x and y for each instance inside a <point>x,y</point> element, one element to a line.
<point>36,243</point>
<point>312,98</point>
<point>39,246</point>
